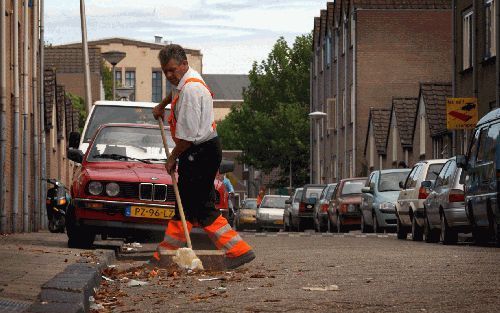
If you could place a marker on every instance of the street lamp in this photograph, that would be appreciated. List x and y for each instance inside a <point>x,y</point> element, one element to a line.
<point>317,116</point>
<point>113,57</point>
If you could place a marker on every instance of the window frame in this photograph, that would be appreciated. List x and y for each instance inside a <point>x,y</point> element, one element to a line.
<point>156,86</point>
<point>490,29</point>
<point>467,45</point>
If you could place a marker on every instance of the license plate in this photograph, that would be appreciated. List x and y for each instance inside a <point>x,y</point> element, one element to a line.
<point>279,222</point>
<point>150,212</point>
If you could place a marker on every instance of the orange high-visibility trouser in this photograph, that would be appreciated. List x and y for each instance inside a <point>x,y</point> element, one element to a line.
<point>220,232</point>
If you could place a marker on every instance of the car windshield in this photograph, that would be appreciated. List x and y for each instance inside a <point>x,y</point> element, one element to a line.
<point>106,114</point>
<point>433,171</point>
<point>390,181</point>
<point>250,204</point>
<point>353,186</point>
<point>128,144</point>
<point>273,202</point>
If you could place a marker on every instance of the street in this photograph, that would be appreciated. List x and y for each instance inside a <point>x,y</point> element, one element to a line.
<point>370,273</point>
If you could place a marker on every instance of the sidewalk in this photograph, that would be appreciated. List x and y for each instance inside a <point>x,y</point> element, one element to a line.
<point>30,260</point>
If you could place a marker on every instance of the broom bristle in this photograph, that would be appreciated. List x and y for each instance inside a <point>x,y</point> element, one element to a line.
<point>187,259</point>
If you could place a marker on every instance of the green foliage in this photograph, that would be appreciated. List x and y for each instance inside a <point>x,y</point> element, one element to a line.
<point>272,126</point>
<point>107,81</point>
<point>79,104</point>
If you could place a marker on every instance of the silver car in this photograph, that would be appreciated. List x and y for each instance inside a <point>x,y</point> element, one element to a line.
<point>270,212</point>
<point>444,208</point>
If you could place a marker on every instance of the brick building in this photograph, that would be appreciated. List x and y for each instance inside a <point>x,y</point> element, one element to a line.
<point>475,45</point>
<point>367,52</point>
<point>401,131</point>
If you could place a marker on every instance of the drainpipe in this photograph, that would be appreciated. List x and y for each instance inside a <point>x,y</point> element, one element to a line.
<point>25,180</point>
<point>497,35</point>
<point>311,158</point>
<point>344,95</point>
<point>475,64</point>
<point>35,120</point>
<point>354,96</point>
<point>453,70</point>
<point>3,118</point>
<point>337,86</point>
<point>15,149</point>
<point>43,145</point>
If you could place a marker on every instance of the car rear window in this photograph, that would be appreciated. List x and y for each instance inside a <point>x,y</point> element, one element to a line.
<point>390,181</point>
<point>251,204</point>
<point>433,171</point>
<point>353,187</point>
<point>313,192</point>
<point>298,196</point>
<point>273,202</point>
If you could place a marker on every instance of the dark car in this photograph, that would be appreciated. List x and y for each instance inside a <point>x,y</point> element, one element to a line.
<point>320,215</point>
<point>482,182</point>
<point>344,212</point>
<point>301,215</point>
<point>378,206</point>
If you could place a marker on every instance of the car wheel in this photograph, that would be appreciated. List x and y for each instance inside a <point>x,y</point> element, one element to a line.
<point>481,236</point>
<point>364,228</point>
<point>292,226</point>
<point>340,226</point>
<point>400,230</point>
<point>317,226</point>
<point>430,235</point>
<point>78,236</point>
<point>285,225</point>
<point>417,233</point>
<point>376,227</point>
<point>259,229</point>
<point>447,235</point>
<point>329,226</point>
<point>496,233</point>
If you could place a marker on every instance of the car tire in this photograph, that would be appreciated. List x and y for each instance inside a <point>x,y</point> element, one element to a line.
<point>292,226</point>
<point>447,235</point>
<point>376,226</point>
<point>430,235</point>
<point>259,229</point>
<point>417,233</point>
<point>496,233</point>
<point>316,224</point>
<point>401,232</point>
<point>329,225</point>
<point>78,236</point>
<point>364,228</point>
<point>285,226</point>
<point>340,226</point>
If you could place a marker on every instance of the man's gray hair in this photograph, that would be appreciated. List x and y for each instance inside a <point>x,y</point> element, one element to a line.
<point>172,51</point>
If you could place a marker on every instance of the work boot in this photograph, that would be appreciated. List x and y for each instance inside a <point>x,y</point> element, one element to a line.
<point>232,263</point>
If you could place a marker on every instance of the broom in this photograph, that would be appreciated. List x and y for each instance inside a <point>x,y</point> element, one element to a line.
<point>185,257</point>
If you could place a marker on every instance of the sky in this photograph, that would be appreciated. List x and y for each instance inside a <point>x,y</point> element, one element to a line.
<point>231,34</point>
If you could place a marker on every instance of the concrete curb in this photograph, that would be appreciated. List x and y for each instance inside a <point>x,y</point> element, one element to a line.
<point>69,291</point>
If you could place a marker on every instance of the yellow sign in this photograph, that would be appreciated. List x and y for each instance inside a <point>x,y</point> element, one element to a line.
<point>461,113</point>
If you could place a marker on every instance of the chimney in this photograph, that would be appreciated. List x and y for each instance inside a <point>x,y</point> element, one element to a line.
<point>158,38</point>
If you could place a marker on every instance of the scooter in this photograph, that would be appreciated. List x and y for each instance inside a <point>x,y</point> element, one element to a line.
<point>57,202</point>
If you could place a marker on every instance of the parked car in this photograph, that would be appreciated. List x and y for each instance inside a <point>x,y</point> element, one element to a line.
<point>378,203</point>
<point>482,182</point>
<point>291,205</point>
<point>444,208</point>
<point>270,212</point>
<point>344,212</point>
<point>410,203</point>
<point>131,112</point>
<point>301,216</point>
<point>121,188</point>
<point>245,217</point>
<point>320,215</point>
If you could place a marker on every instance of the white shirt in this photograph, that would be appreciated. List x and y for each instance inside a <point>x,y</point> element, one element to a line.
<point>194,110</point>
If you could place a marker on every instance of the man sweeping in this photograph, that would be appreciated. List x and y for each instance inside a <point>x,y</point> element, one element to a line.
<point>198,153</point>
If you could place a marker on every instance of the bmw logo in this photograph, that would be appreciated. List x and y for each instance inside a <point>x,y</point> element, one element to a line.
<point>154,178</point>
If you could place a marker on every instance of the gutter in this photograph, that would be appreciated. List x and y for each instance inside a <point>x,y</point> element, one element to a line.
<point>3,118</point>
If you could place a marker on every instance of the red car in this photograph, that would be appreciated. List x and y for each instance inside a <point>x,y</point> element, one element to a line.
<point>344,211</point>
<point>122,188</point>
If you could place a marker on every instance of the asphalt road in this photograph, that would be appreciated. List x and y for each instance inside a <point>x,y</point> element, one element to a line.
<point>372,274</point>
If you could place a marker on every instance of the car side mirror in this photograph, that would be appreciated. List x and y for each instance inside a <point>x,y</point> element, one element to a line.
<point>461,161</point>
<point>366,190</point>
<point>74,140</point>
<point>226,166</point>
<point>426,184</point>
<point>75,155</point>
<point>401,185</point>
<point>288,201</point>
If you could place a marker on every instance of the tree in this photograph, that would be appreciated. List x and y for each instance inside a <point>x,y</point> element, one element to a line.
<point>79,104</point>
<point>272,125</point>
<point>107,81</point>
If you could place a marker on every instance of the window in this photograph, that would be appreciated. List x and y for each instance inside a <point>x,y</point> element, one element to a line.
<point>298,195</point>
<point>440,178</point>
<point>328,54</point>
<point>353,29</point>
<point>490,19</point>
<point>316,62</point>
<point>344,35</point>
<point>156,86</point>
<point>343,108</point>
<point>322,57</point>
<point>130,82</point>
<point>330,108</point>
<point>467,39</point>
<point>433,171</point>
<point>337,36</point>
<point>118,77</point>
<point>168,88</point>
<point>353,106</point>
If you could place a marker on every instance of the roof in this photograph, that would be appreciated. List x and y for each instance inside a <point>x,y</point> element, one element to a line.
<point>380,119</point>
<point>128,42</point>
<point>129,104</point>
<point>70,60</point>
<point>403,4</point>
<point>227,86</point>
<point>434,96</point>
<point>405,110</point>
<point>491,116</point>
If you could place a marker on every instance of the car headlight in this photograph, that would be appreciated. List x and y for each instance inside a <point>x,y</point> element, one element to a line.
<point>387,207</point>
<point>112,189</point>
<point>95,188</point>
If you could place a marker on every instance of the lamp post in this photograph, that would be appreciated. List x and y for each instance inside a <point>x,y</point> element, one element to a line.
<point>316,117</point>
<point>113,57</point>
